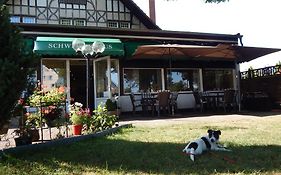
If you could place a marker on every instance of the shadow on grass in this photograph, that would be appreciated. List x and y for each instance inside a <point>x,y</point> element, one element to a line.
<point>116,155</point>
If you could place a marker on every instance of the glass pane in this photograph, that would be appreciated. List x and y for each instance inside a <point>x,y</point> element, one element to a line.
<point>28,20</point>
<point>137,80</point>
<point>54,74</point>
<point>101,79</point>
<point>114,78</point>
<point>183,80</point>
<point>217,79</point>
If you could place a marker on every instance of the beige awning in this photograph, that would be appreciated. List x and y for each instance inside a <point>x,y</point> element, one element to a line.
<point>219,52</point>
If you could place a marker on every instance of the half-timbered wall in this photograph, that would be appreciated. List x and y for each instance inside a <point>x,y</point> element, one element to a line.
<point>99,13</point>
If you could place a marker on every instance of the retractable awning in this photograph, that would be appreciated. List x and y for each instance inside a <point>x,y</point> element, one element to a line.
<point>59,46</point>
<point>220,52</point>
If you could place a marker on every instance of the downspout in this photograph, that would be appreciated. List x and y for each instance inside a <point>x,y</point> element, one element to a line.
<point>238,73</point>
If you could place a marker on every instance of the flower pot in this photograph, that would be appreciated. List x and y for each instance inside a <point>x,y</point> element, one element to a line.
<point>34,134</point>
<point>77,129</point>
<point>23,141</point>
<point>4,129</point>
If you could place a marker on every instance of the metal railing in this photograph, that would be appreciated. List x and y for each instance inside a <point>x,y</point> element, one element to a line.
<point>262,72</point>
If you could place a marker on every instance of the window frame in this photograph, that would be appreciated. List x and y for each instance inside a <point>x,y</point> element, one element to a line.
<point>219,69</point>
<point>194,69</point>
<point>133,68</point>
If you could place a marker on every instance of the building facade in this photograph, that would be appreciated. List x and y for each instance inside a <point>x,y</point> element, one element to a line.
<point>52,25</point>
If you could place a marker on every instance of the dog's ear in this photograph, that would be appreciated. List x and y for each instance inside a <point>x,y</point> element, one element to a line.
<point>219,132</point>
<point>210,131</point>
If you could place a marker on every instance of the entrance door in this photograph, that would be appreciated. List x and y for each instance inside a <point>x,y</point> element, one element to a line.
<point>77,81</point>
<point>106,79</point>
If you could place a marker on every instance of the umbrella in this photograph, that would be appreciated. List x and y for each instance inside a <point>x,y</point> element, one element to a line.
<point>220,52</point>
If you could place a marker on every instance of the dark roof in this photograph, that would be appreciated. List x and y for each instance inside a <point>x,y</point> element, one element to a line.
<point>134,8</point>
<point>160,36</point>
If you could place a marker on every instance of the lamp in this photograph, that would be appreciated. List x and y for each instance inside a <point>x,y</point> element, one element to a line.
<point>88,51</point>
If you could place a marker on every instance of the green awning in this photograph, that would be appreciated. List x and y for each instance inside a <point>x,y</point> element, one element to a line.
<point>59,46</point>
<point>131,46</point>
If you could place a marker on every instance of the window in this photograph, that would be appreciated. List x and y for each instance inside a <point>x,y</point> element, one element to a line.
<point>112,24</point>
<point>214,79</point>
<point>137,80</point>
<point>79,22</point>
<point>73,1</point>
<point>66,21</point>
<point>28,19</point>
<point>54,74</point>
<point>15,19</point>
<point>125,25</point>
<point>183,80</point>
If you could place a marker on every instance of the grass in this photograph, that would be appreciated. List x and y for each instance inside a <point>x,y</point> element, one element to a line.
<point>156,149</point>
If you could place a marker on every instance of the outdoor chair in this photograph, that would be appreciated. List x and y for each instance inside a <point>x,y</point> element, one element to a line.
<point>229,99</point>
<point>173,101</point>
<point>135,103</point>
<point>199,101</point>
<point>148,102</point>
<point>163,102</point>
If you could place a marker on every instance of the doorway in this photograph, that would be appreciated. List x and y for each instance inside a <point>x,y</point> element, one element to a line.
<point>78,82</point>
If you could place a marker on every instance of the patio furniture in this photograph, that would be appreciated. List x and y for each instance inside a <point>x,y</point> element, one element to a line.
<point>163,101</point>
<point>229,99</point>
<point>135,103</point>
<point>148,101</point>
<point>173,101</point>
<point>199,100</point>
<point>213,98</point>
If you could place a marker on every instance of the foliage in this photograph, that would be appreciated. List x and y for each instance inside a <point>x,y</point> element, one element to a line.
<point>16,61</point>
<point>111,105</point>
<point>32,120</point>
<point>102,120</point>
<point>78,115</point>
<point>53,97</point>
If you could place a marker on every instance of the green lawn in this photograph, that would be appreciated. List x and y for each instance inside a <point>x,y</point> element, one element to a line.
<point>157,149</point>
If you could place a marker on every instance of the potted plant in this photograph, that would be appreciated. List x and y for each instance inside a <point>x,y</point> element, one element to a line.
<point>51,103</point>
<point>78,116</point>
<point>24,137</point>
<point>32,123</point>
<point>111,106</point>
<point>102,119</point>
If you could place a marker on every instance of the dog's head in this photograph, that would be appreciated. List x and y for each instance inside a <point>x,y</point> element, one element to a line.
<point>214,135</point>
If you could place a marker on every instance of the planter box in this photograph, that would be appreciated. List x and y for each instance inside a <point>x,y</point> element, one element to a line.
<point>23,141</point>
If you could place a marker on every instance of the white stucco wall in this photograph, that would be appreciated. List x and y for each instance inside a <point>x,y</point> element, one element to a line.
<point>184,101</point>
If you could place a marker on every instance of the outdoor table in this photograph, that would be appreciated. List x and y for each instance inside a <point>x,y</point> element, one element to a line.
<point>148,99</point>
<point>213,98</point>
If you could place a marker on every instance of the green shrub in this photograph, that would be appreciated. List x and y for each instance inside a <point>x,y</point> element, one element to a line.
<point>111,105</point>
<point>102,120</point>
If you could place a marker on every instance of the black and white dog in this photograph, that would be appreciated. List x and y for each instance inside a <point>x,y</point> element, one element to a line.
<point>205,143</point>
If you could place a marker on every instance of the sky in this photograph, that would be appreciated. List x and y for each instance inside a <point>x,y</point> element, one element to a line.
<point>256,20</point>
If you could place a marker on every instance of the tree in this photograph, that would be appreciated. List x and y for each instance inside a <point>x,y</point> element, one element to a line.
<point>15,63</point>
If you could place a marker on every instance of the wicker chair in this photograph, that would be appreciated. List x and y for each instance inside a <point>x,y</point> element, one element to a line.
<point>163,101</point>
<point>199,101</point>
<point>135,103</point>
